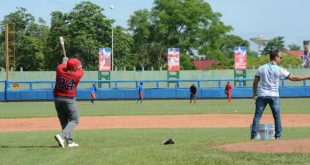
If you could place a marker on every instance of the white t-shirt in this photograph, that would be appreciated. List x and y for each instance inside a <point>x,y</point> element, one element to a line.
<point>270,74</point>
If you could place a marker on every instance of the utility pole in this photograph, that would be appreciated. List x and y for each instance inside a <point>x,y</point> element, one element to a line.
<point>10,48</point>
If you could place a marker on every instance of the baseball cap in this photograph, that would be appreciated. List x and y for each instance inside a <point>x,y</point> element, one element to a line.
<point>73,62</point>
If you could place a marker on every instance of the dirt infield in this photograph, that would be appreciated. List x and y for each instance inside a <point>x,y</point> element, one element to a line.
<point>153,121</point>
<point>273,146</point>
<point>178,121</point>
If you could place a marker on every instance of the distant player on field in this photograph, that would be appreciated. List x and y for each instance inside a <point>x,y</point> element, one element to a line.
<point>93,90</point>
<point>228,91</point>
<point>140,93</point>
<point>193,93</point>
<point>68,75</point>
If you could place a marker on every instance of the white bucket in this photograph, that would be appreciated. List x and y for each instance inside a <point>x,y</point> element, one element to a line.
<point>265,132</point>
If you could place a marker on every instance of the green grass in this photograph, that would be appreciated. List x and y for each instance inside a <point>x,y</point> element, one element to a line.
<point>142,146</point>
<point>150,107</point>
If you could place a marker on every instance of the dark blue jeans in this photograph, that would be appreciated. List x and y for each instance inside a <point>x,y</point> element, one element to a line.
<point>274,104</point>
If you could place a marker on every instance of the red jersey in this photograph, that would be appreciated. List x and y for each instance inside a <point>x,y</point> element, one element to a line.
<point>67,81</point>
<point>228,88</point>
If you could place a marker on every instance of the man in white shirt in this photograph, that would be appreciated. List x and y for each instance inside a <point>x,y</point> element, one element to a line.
<point>266,91</point>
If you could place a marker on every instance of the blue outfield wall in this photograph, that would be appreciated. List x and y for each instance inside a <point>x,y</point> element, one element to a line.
<point>28,91</point>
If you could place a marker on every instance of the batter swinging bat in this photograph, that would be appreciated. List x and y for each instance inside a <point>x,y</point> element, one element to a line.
<point>63,45</point>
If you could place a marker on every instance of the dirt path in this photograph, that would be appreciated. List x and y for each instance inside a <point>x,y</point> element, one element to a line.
<point>273,146</point>
<point>154,121</point>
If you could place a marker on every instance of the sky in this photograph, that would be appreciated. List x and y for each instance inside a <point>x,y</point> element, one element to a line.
<point>249,18</point>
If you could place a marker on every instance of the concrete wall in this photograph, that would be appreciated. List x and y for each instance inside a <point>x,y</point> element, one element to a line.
<point>121,75</point>
<point>137,75</point>
<point>145,75</point>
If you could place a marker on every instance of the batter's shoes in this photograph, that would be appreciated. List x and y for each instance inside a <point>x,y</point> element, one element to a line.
<point>73,145</point>
<point>60,141</point>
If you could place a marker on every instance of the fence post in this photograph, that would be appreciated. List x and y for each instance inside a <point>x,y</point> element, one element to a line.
<point>116,84</point>
<point>6,89</point>
<point>283,83</point>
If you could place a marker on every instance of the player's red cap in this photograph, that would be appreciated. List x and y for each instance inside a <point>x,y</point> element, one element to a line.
<point>73,62</point>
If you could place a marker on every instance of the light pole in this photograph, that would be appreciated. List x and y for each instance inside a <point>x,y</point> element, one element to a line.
<point>112,53</point>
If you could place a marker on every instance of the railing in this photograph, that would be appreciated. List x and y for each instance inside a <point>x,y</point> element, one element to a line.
<point>154,89</point>
<point>201,83</point>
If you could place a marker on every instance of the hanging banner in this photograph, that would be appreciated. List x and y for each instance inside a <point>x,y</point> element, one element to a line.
<point>173,59</point>
<point>104,59</point>
<point>305,59</point>
<point>306,48</point>
<point>240,58</point>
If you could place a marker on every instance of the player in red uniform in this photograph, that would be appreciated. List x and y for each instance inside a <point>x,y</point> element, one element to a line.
<point>68,75</point>
<point>228,90</point>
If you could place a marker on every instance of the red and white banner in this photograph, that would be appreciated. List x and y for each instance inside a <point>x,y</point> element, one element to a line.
<point>173,59</point>
<point>240,58</point>
<point>104,59</point>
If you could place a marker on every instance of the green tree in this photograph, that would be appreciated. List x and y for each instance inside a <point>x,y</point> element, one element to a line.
<point>224,51</point>
<point>123,56</point>
<point>30,38</point>
<point>53,52</point>
<point>186,62</point>
<point>275,43</point>
<point>85,29</point>
<point>140,26</point>
<point>2,47</point>
<point>229,42</point>
<point>287,61</point>
<point>254,61</point>
<point>188,25</point>
<point>293,47</point>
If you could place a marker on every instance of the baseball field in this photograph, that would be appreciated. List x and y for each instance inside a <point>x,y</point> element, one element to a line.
<point>124,132</point>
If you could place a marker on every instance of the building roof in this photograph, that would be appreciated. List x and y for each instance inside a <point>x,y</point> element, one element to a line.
<point>203,64</point>
<point>296,53</point>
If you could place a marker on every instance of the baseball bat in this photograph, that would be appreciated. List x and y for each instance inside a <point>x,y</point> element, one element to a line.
<point>62,42</point>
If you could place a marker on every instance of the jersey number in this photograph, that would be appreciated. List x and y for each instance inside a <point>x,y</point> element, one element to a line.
<point>62,84</point>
